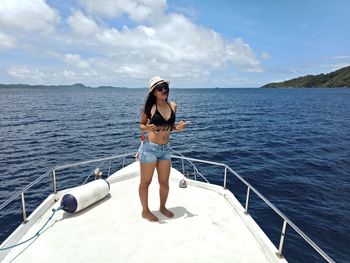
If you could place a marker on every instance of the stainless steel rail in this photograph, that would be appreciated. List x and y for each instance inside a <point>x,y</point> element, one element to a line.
<point>61,167</point>
<point>54,174</point>
<point>286,221</point>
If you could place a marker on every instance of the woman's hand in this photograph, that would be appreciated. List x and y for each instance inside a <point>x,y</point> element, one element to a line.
<point>180,126</point>
<point>150,128</point>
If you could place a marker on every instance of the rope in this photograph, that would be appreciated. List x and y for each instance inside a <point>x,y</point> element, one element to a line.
<point>37,234</point>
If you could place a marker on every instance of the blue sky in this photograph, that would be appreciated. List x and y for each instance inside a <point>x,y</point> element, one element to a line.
<point>192,43</point>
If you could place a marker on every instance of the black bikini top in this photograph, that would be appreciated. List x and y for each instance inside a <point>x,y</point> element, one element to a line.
<point>158,120</point>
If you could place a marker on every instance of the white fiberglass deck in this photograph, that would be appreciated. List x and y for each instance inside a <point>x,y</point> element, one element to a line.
<point>206,228</point>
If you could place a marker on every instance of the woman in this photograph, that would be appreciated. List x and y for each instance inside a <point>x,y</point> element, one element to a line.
<point>158,120</point>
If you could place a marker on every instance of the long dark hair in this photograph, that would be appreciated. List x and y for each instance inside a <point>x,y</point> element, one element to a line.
<point>150,101</point>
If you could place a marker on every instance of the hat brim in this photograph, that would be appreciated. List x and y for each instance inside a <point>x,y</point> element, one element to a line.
<point>157,83</point>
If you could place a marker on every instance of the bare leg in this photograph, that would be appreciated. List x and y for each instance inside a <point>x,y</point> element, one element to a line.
<point>163,169</point>
<point>146,170</point>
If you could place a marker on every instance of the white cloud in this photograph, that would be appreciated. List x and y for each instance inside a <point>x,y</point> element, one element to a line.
<point>33,15</point>
<point>76,60</point>
<point>47,76</point>
<point>175,47</point>
<point>70,58</point>
<point>137,10</point>
<point>243,56</point>
<point>132,70</point>
<point>94,50</point>
<point>68,73</point>
<point>6,41</point>
<point>81,24</point>
<point>26,73</point>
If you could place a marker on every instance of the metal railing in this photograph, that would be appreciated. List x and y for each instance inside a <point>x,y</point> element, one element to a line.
<point>286,220</point>
<point>227,169</point>
<point>54,185</point>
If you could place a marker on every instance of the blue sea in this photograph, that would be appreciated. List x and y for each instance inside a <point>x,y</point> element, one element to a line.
<point>292,145</point>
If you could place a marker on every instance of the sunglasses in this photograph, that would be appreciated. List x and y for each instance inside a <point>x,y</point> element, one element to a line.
<point>161,87</point>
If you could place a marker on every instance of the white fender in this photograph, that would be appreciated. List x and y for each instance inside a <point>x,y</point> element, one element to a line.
<point>85,195</point>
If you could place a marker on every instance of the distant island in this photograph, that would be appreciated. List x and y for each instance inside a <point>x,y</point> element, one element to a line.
<point>336,79</point>
<point>76,85</point>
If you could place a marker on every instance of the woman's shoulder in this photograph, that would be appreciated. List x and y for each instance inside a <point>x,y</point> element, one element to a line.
<point>172,105</point>
<point>153,109</point>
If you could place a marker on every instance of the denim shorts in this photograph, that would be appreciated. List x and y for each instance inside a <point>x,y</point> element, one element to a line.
<point>151,152</point>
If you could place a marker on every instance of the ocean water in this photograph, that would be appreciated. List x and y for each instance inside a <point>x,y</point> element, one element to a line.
<point>292,145</point>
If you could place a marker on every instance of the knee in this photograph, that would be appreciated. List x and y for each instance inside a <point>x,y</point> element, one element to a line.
<point>164,183</point>
<point>145,183</point>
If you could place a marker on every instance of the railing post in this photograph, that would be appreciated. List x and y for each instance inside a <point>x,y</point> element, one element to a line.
<point>283,234</point>
<point>124,161</point>
<point>23,205</point>
<point>225,178</point>
<point>54,182</point>
<point>247,201</point>
<point>109,167</point>
<point>183,166</point>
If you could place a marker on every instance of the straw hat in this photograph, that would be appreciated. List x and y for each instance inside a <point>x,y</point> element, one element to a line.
<point>154,82</point>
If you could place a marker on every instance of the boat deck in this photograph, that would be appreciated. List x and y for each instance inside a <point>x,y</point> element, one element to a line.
<point>206,228</point>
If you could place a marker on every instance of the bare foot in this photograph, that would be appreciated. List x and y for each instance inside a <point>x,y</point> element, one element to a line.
<point>149,216</point>
<point>166,212</point>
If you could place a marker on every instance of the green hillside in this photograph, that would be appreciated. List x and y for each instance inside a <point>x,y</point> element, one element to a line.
<point>336,79</point>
